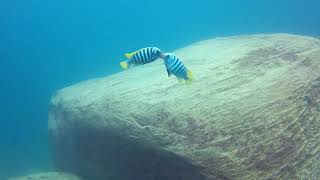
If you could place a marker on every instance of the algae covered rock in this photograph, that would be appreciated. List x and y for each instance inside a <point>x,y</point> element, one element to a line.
<point>48,176</point>
<point>253,112</point>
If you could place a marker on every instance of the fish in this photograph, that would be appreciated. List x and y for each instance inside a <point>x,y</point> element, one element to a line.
<point>175,66</point>
<point>142,56</point>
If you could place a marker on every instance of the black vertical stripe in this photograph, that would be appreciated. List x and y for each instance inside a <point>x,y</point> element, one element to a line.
<point>174,63</point>
<point>144,54</point>
<point>140,57</point>
<point>134,58</point>
<point>181,71</point>
<point>149,54</point>
<point>137,58</point>
<point>177,66</point>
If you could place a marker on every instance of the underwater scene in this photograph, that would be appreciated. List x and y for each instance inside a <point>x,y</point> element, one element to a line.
<point>160,90</point>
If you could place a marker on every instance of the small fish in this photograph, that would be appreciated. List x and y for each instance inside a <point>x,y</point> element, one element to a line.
<point>176,67</point>
<point>142,56</point>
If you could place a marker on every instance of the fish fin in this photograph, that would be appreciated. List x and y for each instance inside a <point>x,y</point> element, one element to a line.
<point>169,74</point>
<point>190,77</point>
<point>129,55</point>
<point>124,64</point>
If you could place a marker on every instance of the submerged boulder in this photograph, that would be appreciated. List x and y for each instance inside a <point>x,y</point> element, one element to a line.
<point>48,176</point>
<point>253,112</point>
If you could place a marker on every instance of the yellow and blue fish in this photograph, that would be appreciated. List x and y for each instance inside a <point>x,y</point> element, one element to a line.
<point>176,67</point>
<point>142,56</point>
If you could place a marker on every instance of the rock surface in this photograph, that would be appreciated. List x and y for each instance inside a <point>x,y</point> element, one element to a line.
<point>48,176</point>
<point>253,112</point>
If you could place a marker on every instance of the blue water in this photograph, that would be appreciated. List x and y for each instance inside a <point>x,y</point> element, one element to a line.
<point>47,45</point>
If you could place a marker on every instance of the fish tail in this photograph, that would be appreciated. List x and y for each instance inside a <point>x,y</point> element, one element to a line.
<point>190,77</point>
<point>124,64</point>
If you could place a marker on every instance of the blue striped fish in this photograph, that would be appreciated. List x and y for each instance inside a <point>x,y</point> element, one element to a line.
<point>176,67</point>
<point>142,56</point>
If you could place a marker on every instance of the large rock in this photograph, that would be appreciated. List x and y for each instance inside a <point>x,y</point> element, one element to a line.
<point>48,176</point>
<point>251,113</point>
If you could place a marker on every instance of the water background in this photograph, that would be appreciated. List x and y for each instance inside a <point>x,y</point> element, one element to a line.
<point>47,45</point>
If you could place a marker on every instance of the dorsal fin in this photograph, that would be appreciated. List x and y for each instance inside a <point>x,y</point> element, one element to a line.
<point>129,55</point>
